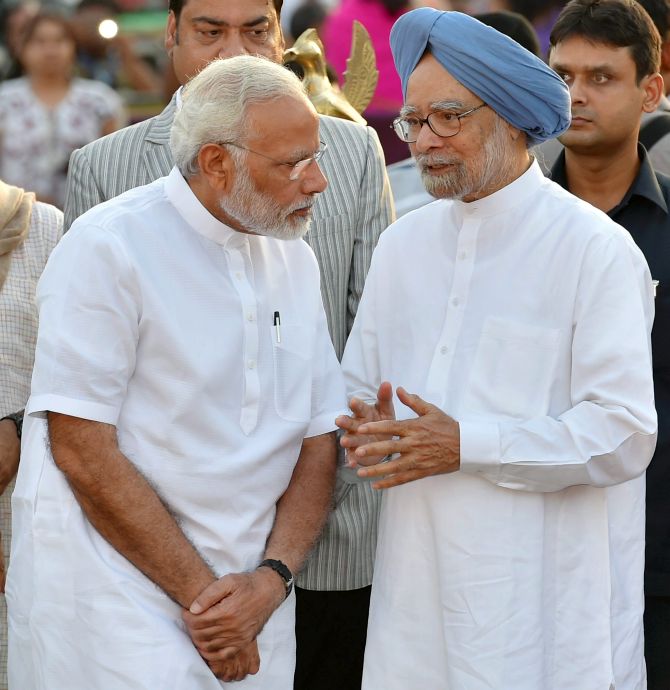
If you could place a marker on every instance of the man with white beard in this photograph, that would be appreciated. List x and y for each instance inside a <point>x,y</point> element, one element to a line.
<point>178,459</point>
<point>515,320</point>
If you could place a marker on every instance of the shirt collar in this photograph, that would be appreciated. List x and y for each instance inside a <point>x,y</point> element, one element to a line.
<point>198,218</point>
<point>644,185</point>
<point>505,198</point>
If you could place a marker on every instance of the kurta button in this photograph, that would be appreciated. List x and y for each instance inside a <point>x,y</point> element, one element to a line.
<point>444,349</point>
<point>251,364</point>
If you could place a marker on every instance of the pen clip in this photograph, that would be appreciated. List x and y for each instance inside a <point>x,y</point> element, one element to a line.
<point>276,322</point>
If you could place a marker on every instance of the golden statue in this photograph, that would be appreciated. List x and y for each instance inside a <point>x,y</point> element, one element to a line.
<point>307,58</point>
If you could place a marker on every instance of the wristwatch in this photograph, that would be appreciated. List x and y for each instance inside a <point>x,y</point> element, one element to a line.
<point>282,570</point>
<point>17,418</point>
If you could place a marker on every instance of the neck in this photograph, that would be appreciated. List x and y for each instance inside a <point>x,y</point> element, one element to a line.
<point>602,179</point>
<point>50,90</point>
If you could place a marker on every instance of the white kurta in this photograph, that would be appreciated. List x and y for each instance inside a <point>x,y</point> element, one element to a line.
<point>157,318</point>
<point>525,316</point>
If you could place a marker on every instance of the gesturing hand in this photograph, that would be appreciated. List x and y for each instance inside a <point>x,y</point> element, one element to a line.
<point>427,445</point>
<point>363,414</point>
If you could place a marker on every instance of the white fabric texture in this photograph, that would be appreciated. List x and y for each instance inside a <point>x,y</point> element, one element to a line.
<point>18,333</point>
<point>157,318</point>
<point>525,316</point>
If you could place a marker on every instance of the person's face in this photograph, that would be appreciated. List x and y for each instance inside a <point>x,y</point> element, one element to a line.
<point>468,165</point>
<point>50,50</point>
<point>208,29</point>
<point>263,199</point>
<point>607,101</point>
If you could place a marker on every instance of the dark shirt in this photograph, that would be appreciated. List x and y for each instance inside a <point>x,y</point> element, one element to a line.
<point>644,212</point>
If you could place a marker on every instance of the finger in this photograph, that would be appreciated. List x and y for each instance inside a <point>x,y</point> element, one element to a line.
<point>400,478</point>
<point>350,441</point>
<point>345,423</point>
<point>219,655</point>
<point>384,469</point>
<point>360,408</point>
<point>212,594</point>
<point>385,400</point>
<point>381,448</point>
<point>386,427</point>
<point>414,402</point>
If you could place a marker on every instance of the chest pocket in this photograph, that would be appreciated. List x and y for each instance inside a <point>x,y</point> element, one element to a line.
<point>292,358</point>
<point>513,370</point>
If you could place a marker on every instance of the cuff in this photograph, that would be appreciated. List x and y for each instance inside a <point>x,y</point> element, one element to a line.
<point>324,423</point>
<point>84,409</point>
<point>480,446</point>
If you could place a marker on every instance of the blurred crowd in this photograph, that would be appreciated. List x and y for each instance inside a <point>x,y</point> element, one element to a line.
<point>74,71</point>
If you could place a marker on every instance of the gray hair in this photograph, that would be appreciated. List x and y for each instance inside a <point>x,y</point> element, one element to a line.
<point>215,102</point>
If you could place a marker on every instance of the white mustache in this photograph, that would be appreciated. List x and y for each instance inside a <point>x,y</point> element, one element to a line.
<point>425,160</point>
<point>305,204</point>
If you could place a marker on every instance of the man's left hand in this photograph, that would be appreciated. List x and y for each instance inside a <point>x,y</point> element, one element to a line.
<point>245,663</point>
<point>427,445</point>
<point>229,614</point>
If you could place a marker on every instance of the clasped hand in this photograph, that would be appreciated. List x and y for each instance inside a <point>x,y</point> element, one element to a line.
<point>226,618</point>
<point>427,445</point>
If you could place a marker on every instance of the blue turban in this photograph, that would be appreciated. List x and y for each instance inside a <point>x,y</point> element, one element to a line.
<point>506,76</point>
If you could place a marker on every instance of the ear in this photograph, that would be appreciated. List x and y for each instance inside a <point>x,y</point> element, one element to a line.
<point>171,33</point>
<point>652,86</point>
<point>217,167</point>
<point>514,132</point>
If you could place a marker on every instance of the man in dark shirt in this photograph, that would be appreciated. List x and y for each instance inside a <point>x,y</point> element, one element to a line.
<point>608,52</point>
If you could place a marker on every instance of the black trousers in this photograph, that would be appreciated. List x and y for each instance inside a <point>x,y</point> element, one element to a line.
<point>330,629</point>
<point>657,642</point>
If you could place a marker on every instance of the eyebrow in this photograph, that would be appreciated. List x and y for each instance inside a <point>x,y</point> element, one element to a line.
<point>588,68</point>
<point>437,105</point>
<point>265,19</point>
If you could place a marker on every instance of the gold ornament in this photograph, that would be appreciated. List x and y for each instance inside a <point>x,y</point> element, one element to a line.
<point>307,58</point>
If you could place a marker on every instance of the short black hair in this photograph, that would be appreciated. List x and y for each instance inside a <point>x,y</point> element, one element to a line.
<point>515,26</point>
<point>177,6</point>
<point>621,23</point>
<point>659,11</point>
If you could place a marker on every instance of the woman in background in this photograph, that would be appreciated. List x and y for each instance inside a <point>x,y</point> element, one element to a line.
<point>48,113</point>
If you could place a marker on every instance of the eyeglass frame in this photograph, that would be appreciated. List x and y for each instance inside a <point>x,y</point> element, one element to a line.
<point>297,169</point>
<point>426,121</point>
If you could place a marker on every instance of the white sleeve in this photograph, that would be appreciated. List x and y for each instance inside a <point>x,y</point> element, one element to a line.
<point>609,434</point>
<point>328,394</point>
<point>360,361</point>
<point>89,311</point>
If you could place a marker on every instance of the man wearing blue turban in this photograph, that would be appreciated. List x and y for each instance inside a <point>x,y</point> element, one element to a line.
<point>519,318</point>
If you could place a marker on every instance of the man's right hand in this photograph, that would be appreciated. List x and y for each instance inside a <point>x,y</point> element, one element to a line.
<point>245,663</point>
<point>363,413</point>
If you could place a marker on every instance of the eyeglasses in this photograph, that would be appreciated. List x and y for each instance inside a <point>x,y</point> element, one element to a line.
<point>298,168</point>
<point>441,122</point>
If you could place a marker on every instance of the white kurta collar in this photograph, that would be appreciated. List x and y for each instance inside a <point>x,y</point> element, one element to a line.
<point>197,216</point>
<point>504,199</point>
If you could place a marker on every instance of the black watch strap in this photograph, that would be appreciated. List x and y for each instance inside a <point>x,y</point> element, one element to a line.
<point>281,569</point>
<point>17,418</point>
